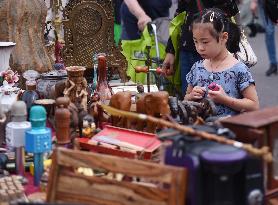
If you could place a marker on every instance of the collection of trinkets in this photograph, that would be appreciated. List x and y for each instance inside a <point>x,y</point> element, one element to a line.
<point>61,106</point>
<point>12,190</point>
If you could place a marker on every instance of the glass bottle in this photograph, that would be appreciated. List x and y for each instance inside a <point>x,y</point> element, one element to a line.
<point>30,94</point>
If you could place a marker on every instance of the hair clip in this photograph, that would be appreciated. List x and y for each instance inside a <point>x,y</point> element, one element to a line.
<point>211,16</point>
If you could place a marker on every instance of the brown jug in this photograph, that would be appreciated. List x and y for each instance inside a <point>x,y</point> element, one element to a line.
<point>103,88</point>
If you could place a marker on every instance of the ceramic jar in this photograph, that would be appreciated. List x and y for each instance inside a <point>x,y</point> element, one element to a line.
<point>48,80</point>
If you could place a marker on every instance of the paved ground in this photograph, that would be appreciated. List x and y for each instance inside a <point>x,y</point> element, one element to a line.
<point>267,87</point>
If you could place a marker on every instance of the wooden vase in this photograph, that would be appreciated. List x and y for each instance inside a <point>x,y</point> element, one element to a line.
<point>22,22</point>
<point>75,73</point>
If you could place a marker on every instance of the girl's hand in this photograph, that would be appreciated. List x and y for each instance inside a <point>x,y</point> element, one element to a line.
<point>217,96</point>
<point>197,93</point>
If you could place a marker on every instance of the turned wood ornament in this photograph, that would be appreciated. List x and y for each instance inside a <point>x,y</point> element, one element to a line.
<point>62,120</point>
<point>22,22</point>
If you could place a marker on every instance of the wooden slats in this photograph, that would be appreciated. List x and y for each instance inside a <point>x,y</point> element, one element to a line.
<point>69,186</point>
<point>112,163</point>
<point>97,187</point>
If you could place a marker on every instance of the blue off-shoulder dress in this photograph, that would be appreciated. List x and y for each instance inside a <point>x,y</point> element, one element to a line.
<point>233,80</point>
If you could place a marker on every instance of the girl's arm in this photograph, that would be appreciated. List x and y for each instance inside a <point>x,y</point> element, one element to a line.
<point>250,101</point>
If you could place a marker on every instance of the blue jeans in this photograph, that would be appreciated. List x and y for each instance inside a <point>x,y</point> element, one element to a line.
<point>269,35</point>
<point>187,59</point>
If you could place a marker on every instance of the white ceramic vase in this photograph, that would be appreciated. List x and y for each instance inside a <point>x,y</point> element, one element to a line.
<point>5,53</point>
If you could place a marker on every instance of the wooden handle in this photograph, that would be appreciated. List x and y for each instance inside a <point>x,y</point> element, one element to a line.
<point>141,69</point>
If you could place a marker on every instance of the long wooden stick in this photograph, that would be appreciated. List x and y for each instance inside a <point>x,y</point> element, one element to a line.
<point>261,152</point>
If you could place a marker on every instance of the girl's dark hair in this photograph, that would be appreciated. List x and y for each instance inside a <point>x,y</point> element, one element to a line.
<point>221,23</point>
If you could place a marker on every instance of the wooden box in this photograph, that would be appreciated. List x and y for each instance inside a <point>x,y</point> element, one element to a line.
<point>164,185</point>
<point>147,141</point>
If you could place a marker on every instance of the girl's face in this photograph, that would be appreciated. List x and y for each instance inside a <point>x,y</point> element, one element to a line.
<point>206,44</point>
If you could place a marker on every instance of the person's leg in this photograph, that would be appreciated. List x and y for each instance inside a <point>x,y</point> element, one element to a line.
<point>269,41</point>
<point>187,59</point>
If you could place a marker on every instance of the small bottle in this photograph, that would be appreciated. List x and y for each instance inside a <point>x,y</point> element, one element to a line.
<point>30,94</point>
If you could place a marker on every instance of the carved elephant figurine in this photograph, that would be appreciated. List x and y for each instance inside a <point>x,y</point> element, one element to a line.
<point>121,101</point>
<point>154,104</point>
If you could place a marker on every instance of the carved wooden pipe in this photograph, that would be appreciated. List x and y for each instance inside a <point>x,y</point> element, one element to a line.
<point>141,69</point>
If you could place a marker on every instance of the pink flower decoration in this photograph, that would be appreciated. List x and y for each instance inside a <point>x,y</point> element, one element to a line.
<point>10,76</point>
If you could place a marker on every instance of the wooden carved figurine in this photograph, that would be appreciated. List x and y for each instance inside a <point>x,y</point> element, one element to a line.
<point>103,89</point>
<point>89,126</point>
<point>76,87</point>
<point>154,104</point>
<point>121,101</point>
<point>174,107</point>
<point>97,111</point>
<point>62,120</point>
<point>204,109</point>
<point>59,62</point>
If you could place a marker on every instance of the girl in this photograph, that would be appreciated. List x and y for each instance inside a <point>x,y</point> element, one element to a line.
<point>186,52</point>
<point>215,38</point>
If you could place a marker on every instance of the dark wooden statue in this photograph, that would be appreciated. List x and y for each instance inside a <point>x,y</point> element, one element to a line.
<point>23,22</point>
<point>191,112</point>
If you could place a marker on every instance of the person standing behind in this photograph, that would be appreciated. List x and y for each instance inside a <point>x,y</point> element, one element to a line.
<point>269,35</point>
<point>216,38</point>
<point>187,52</point>
<point>135,14</point>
